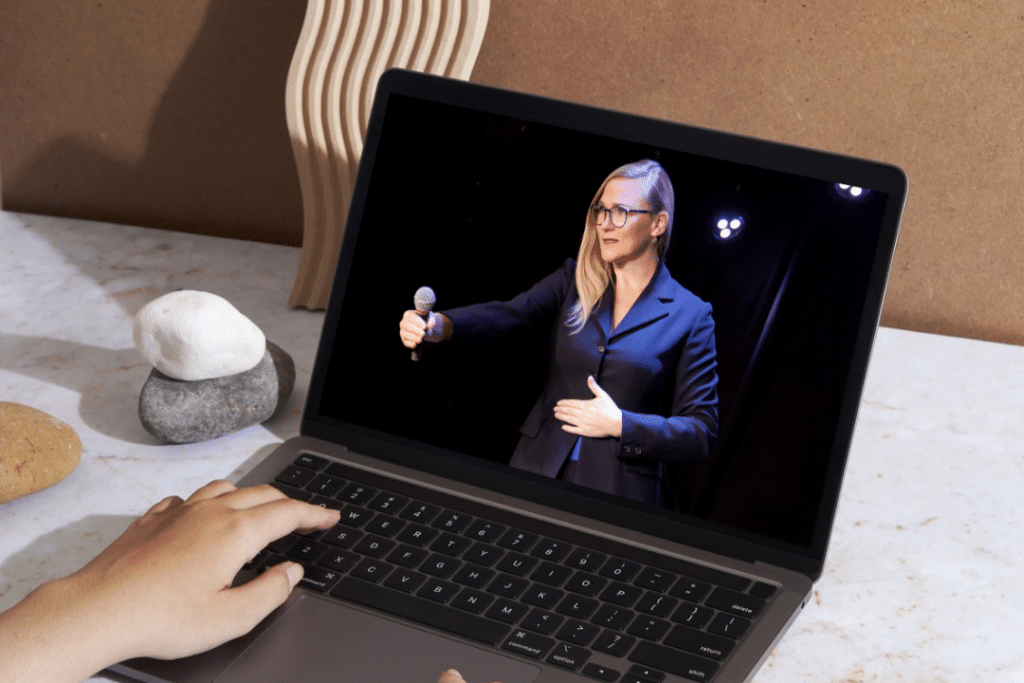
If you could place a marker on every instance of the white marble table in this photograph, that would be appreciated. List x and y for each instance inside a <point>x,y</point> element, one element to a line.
<point>924,578</point>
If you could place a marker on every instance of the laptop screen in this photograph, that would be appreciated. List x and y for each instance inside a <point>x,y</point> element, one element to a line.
<point>737,375</point>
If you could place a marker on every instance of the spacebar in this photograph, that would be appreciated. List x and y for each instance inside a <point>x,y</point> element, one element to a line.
<point>419,610</point>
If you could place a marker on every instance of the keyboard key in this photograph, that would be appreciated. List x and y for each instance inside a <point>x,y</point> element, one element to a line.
<point>646,674</point>
<point>385,525</point>
<point>256,562</point>
<point>578,632</point>
<point>474,577</point>
<point>601,673</point>
<point>568,656</point>
<point>408,556</point>
<point>483,554</point>
<point>619,569</point>
<point>586,560</point>
<point>762,590</point>
<point>452,521</point>
<point>647,627</point>
<point>673,661</point>
<point>736,603</point>
<point>325,485</point>
<point>438,590</point>
<point>357,494</point>
<point>318,578</point>
<point>576,606</point>
<point>325,502</point>
<point>657,604</point>
<point>472,600</point>
<point>374,546</point>
<point>306,551</point>
<point>419,512</point>
<point>542,596</point>
<point>729,625</point>
<point>339,560</point>
<point>440,565</point>
<point>482,530</point>
<point>422,611</point>
<point>292,492</point>
<point>388,502</point>
<point>520,541</point>
<point>655,579</point>
<point>586,584</point>
<point>283,544</point>
<point>613,617</point>
<point>450,544</point>
<point>508,586</point>
<point>542,621</point>
<point>529,644</point>
<point>621,594</point>
<point>551,574</point>
<point>514,563</point>
<point>342,536</point>
<point>312,462</point>
<point>416,534</point>
<point>551,550</point>
<point>615,644</point>
<point>690,589</point>
<point>355,516</point>
<point>694,616</point>
<point>700,643</point>
<point>507,611</point>
<point>404,580</point>
<point>295,476</point>
<point>371,570</point>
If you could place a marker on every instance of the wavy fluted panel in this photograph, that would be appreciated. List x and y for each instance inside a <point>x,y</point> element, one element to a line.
<point>344,47</point>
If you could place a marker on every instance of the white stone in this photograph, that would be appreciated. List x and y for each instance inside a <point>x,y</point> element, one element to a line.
<point>191,335</point>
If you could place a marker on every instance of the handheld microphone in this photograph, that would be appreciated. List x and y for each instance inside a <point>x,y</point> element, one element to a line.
<point>423,301</point>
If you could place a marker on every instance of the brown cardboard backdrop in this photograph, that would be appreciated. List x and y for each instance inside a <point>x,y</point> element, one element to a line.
<point>171,114</point>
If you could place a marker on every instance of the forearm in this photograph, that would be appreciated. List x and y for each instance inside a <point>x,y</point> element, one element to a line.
<point>667,439</point>
<point>54,636</point>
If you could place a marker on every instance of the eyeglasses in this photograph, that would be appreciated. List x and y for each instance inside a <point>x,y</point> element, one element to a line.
<point>619,214</point>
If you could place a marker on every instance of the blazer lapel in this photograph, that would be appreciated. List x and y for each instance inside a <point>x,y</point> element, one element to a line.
<point>654,303</point>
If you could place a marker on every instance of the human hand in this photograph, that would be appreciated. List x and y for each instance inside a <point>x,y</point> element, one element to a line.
<point>597,417</point>
<point>414,330</point>
<point>163,587</point>
<point>451,676</point>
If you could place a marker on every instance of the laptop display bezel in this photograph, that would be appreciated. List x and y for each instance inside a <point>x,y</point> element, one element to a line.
<point>730,147</point>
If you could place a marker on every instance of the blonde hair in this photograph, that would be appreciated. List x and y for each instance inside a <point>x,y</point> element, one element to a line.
<point>592,274</point>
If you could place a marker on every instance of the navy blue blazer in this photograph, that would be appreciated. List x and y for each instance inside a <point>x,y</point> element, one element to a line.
<point>658,365</point>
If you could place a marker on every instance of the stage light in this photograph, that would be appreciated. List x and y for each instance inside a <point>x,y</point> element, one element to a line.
<point>728,226</point>
<point>851,191</point>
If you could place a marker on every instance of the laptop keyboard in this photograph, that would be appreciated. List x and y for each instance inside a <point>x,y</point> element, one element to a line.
<point>609,611</point>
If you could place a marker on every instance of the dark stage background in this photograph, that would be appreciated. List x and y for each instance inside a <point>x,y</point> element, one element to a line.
<point>481,207</point>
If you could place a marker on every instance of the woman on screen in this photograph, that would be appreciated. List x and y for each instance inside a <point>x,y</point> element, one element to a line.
<point>631,381</point>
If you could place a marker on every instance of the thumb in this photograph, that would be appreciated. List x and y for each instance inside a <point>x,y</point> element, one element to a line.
<point>253,601</point>
<point>596,388</point>
<point>451,676</point>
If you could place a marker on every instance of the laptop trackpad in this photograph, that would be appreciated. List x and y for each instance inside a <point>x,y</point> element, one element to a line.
<point>316,641</point>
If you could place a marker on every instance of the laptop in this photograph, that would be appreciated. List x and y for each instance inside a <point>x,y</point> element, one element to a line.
<point>474,534</point>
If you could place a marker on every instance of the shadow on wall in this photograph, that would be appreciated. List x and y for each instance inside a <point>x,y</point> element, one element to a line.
<point>218,157</point>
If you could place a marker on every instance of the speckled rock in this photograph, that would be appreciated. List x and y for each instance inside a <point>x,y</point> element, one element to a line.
<point>36,450</point>
<point>178,411</point>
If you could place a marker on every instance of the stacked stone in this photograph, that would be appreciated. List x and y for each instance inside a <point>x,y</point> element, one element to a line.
<point>214,371</point>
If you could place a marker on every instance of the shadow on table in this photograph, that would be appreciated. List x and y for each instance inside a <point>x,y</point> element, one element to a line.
<point>58,553</point>
<point>109,382</point>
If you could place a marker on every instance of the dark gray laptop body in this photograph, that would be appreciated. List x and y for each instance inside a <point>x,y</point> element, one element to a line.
<point>481,193</point>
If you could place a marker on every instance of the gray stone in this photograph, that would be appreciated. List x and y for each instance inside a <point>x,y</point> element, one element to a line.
<point>179,411</point>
